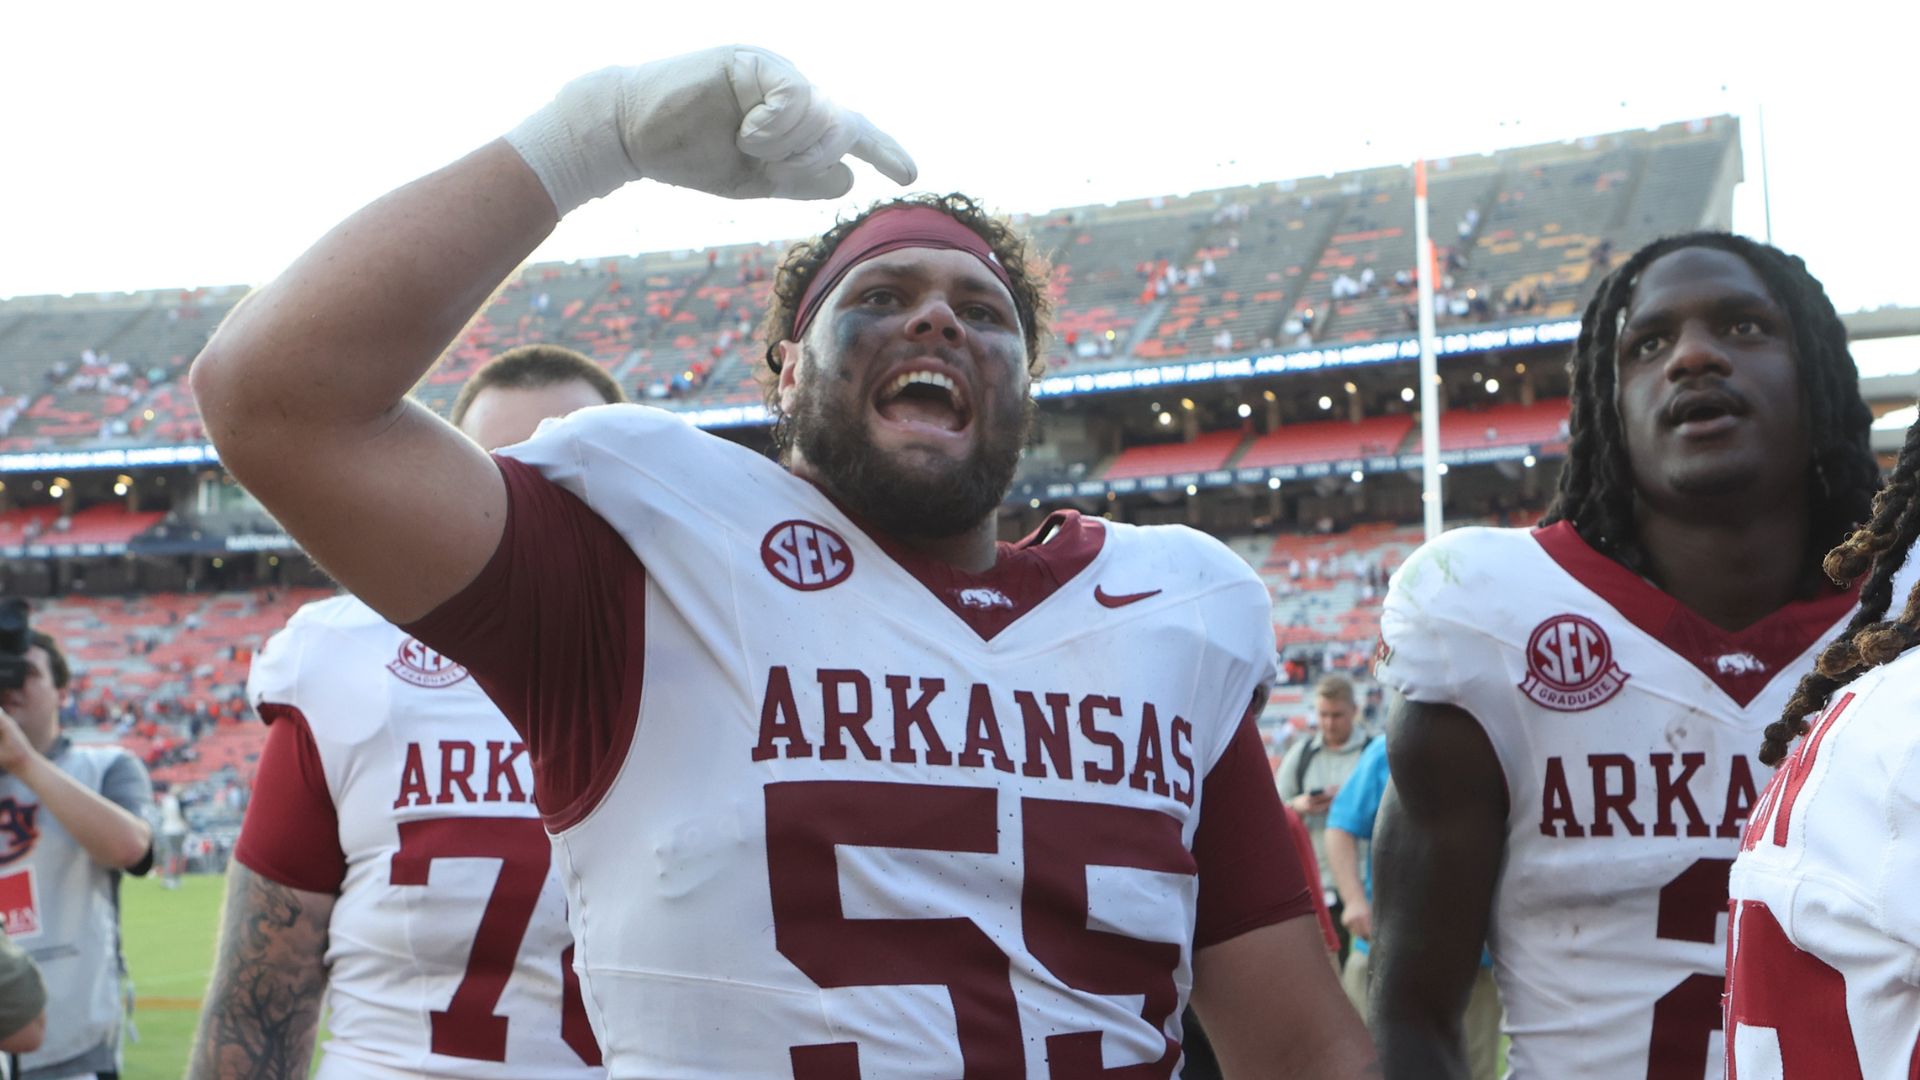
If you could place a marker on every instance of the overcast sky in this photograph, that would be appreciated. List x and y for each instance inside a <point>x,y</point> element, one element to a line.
<point>168,145</point>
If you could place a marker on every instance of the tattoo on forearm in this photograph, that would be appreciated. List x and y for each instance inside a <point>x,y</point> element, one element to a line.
<point>263,1009</point>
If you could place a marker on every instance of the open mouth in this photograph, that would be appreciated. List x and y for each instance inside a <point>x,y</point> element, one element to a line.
<point>925,399</point>
<point>1704,413</point>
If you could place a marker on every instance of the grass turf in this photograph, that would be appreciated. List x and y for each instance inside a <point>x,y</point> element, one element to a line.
<point>169,937</point>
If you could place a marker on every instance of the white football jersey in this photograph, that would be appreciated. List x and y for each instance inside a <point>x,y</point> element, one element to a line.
<point>448,945</point>
<point>1627,728</point>
<point>851,836</point>
<point>1823,973</point>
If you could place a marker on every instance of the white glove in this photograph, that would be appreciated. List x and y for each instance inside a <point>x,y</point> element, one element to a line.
<point>734,121</point>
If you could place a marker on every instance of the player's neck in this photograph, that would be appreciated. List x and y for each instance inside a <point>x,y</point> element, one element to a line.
<point>1732,571</point>
<point>974,551</point>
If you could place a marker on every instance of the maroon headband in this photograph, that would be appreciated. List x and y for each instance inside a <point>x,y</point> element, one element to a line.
<point>890,230</point>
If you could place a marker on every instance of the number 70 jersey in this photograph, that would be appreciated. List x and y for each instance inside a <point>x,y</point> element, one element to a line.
<point>448,948</point>
<point>1627,730</point>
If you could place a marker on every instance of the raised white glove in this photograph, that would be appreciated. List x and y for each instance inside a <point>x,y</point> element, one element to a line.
<point>734,121</point>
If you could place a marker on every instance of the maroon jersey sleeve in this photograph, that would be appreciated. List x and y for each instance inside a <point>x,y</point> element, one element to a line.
<point>1303,847</point>
<point>291,834</point>
<point>553,629</point>
<point>1250,873</point>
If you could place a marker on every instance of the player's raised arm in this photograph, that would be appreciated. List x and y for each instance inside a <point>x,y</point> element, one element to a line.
<point>1437,851</point>
<point>304,387</point>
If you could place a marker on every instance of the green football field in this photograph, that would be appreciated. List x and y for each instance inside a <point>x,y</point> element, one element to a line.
<point>169,941</point>
<point>169,935</point>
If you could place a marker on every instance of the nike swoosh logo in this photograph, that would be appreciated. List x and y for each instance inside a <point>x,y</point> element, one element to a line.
<point>1107,599</point>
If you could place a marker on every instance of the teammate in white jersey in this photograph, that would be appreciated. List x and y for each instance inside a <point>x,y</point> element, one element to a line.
<point>392,861</point>
<point>1573,754</point>
<point>839,785</point>
<point>1823,944</point>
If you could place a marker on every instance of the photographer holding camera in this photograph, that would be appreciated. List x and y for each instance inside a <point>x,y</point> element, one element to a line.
<point>70,824</point>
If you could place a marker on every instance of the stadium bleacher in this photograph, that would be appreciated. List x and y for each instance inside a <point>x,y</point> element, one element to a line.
<point>153,669</point>
<point>1529,227</point>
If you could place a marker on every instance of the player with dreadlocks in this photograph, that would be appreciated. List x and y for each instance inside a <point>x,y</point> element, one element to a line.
<point>1822,933</point>
<point>1573,751</point>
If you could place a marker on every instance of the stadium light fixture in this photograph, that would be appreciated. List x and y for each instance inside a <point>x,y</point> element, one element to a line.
<point>1193,489</point>
<point>219,562</point>
<point>1166,419</point>
<point>1034,503</point>
<point>1358,476</point>
<point>273,560</point>
<point>1493,386</point>
<point>1443,468</point>
<point>1269,395</point>
<point>1529,461</point>
<point>1477,376</point>
<point>1245,410</point>
<point>119,488</point>
<point>1352,389</point>
<point>1186,403</point>
<point>56,491</point>
<point>1273,483</point>
<point>1325,403</point>
<point>1520,368</point>
<point>1406,393</point>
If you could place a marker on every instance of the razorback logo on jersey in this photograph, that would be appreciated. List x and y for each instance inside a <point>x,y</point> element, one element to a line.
<point>1570,665</point>
<point>424,667</point>
<point>985,598</point>
<point>19,829</point>
<point>806,556</point>
<point>1739,663</point>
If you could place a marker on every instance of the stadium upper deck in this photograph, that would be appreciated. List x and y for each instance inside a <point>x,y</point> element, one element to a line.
<point>1291,265</point>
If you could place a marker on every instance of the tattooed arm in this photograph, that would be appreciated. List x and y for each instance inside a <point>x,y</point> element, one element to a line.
<point>263,1007</point>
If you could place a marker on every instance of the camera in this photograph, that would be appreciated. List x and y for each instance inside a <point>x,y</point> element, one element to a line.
<point>15,640</point>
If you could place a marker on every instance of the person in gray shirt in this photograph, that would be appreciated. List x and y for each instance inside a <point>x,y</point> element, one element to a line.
<point>70,824</point>
<point>1316,765</point>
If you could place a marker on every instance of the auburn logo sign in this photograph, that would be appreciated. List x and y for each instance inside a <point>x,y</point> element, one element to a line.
<point>19,829</point>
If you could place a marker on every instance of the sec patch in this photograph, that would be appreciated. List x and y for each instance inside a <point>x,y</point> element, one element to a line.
<point>1570,665</point>
<point>424,667</point>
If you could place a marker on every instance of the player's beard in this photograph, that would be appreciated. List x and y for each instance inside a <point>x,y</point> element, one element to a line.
<point>897,497</point>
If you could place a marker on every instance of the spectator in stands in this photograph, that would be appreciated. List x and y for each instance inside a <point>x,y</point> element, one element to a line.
<point>1350,824</point>
<point>76,826</point>
<point>1315,767</point>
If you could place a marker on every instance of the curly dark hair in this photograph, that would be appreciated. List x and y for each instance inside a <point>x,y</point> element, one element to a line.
<point>1027,270</point>
<point>1877,549</point>
<point>1596,490</point>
